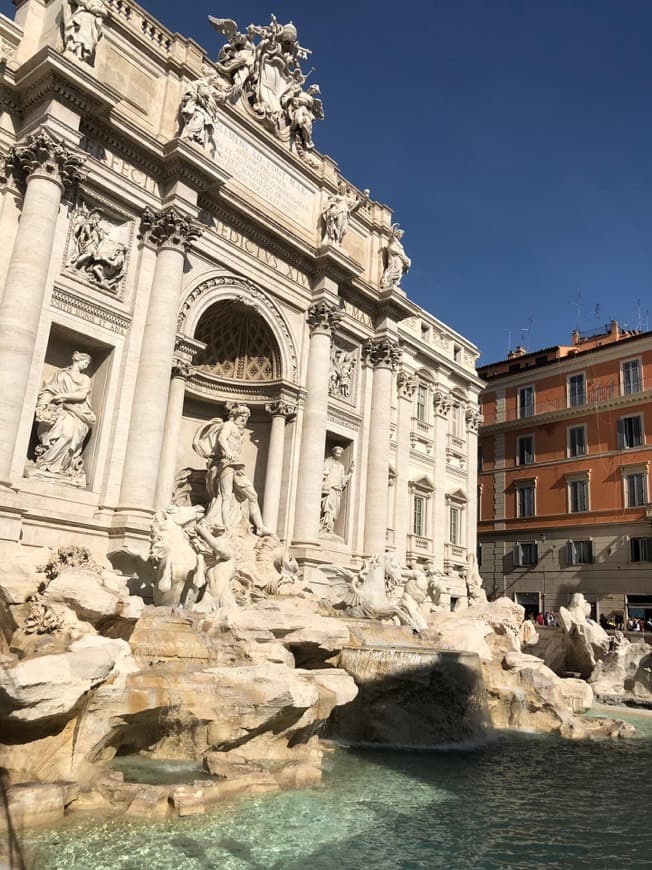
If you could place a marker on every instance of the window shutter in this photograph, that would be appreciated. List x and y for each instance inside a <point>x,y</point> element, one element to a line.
<point>590,550</point>
<point>648,554</point>
<point>535,548</point>
<point>621,434</point>
<point>572,553</point>
<point>517,555</point>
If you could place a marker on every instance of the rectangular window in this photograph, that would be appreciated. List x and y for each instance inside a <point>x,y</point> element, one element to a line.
<point>635,489</point>
<point>421,403</point>
<point>454,526</point>
<point>419,516</point>
<point>526,402</point>
<point>579,496</point>
<point>632,381</point>
<point>525,555</point>
<point>577,441</point>
<point>580,552</point>
<point>641,549</point>
<point>525,501</point>
<point>526,450</point>
<point>480,458</point>
<point>630,432</point>
<point>576,390</point>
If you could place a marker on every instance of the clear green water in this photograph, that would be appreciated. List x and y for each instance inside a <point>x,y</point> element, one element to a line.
<point>519,801</point>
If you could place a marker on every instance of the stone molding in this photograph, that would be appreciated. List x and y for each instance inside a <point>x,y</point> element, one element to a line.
<point>170,228</point>
<point>46,156</point>
<point>90,311</point>
<point>406,384</point>
<point>383,353</point>
<point>282,408</point>
<point>324,317</point>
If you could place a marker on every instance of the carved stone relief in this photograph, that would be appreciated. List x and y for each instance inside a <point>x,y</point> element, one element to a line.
<point>97,250</point>
<point>342,373</point>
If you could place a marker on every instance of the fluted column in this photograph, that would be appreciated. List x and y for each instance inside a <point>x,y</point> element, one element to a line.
<point>280,411</point>
<point>442,408</point>
<point>323,319</point>
<point>181,371</point>
<point>384,355</point>
<point>172,233</point>
<point>406,385</point>
<point>47,165</point>
<point>473,419</point>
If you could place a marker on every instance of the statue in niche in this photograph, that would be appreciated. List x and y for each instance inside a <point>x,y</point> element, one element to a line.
<point>65,418</point>
<point>83,24</point>
<point>100,258</point>
<point>263,67</point>
<point>341,373</point>
<point>339,209</point>
<point>335,479</point>
<point>397,263</point>
<point>199,109</point>
<point>220,442</point>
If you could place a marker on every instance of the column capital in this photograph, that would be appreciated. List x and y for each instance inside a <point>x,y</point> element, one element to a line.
<point>170,228</point>
<point>382,353</point>
<point>474,419</point>
<point>42,154</point>
<point>406,384</point>
<point>324,317</point>
<point>182,369</point>
<point>281,408</point>
<point>441,401</point>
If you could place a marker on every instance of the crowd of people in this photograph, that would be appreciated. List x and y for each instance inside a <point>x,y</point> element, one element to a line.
<point>613,622</point>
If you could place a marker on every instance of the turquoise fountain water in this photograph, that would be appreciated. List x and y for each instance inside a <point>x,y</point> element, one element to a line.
<point>518,801</point>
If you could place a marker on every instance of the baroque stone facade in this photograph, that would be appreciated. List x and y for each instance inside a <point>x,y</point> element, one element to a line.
<point>197,253</point>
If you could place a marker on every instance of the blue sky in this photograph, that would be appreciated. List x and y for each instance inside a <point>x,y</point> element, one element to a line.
<point>513,138</point>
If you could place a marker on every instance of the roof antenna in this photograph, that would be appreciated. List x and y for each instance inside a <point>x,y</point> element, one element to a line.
<point>578,305</point>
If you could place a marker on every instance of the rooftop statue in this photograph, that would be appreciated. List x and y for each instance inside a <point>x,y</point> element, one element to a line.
<point>262,66</point>
<point>339,209</point>
<point>199,108</point>
<point>83,22</point>
<point>397,262</point>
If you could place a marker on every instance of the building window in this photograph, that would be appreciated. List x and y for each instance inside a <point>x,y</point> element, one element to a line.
<point>580,552</point>
<point>630,432</point>
<point>635,489</point>
<point>525,500</point>
<point>632,381</point>
<point>577,441</point>
<point>454,525</point>
<point>421,403</point>
<point>578,496</point>
<point>525,555</point>
<point>480,458</point>
<point>419,516</point>
<point>457,353</point>
<point>641,549</point>
<point>576,390</point>
<point>526,402</point>
<point>525,450</point>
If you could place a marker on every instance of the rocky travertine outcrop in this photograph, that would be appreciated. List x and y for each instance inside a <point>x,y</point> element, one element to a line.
<point>625,673</point>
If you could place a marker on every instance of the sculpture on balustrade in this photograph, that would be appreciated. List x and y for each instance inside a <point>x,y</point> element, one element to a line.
<point>341,373</point>
<point>65,417</point>
<point>93,252</point>
<point>397,262</point>
<point>335,479</point>
<point>220,442</point>
<point>339,209</point>
<point>83,25</point>
<point>262,68</point>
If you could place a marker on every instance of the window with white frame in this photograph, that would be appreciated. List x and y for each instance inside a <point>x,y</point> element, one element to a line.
<point>576,390</point>
<point>578,493</point>
<point>525,449</point>
<point>579,552</point>
<point>641,549</point>
<point>457,502</point>
<point>525,502</point>
<point>635,487</point>
<point>422,396</point>
<point>454,516</point>
<point>577,441</point>
<point>632,380</point>
<point>525,554</point>
<point>419,516</point>
<point>526,402</point>
<point>630,432</point>
<point>421,493</point>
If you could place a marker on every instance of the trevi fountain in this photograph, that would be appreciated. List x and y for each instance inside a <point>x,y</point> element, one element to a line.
<point>241,620</point>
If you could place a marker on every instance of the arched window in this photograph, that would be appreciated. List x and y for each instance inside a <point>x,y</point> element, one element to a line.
<point>240,345</point>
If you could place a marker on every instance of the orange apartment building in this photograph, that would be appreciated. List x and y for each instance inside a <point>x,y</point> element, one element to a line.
<point>564,474</point>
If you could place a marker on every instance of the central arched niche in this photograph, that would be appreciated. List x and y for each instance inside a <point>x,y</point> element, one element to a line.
<point>240,345</point>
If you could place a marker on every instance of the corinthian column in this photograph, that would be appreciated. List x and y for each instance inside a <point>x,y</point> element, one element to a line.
<point>406,385</point>
<point>181,371</point>
<point>384,355</point>
<point>279,411</point>
<point>47,165</point>
<point>323,319</point>
<point>172,233</point>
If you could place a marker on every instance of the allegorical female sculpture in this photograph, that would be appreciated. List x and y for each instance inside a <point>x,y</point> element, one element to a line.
<point>335,479</point>
<point>65,417</point>
<point>83,23</point>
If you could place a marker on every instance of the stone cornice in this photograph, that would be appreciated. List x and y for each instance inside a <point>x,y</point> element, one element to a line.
<point>89,310</point>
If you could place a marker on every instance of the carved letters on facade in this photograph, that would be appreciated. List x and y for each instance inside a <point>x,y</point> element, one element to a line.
<point>83,22</point>
<point>97,249</point>
<point>261,68</point>
<point>65,417</point>
<point>397,261</point>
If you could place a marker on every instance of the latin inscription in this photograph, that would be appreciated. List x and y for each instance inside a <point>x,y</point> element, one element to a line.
<point>263,176</point>
<point>266,257</point>
<point>119,165</point>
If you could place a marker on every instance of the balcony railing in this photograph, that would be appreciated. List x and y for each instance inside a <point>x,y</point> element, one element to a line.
<point>591,398</point>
